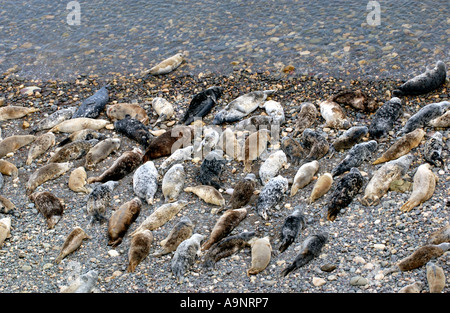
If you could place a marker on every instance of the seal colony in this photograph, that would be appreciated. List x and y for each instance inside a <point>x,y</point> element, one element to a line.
<point>264,206</point>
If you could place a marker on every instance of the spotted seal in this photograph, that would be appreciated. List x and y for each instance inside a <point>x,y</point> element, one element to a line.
<point>334,115</point>
<point>179,233</point>
<point>243,191</point>
<point>93,105</point>
<point>355,157</point>
<point>424,83</point>
<point>424,116</point>
<point>315,143</point>
<point>53,119</point>
<point>424,184</point>
<point>100,151</point>
<point>349,138</point>
<point>72,151</point>
<point>272,165</point>
<point>356,99</point>
<point>139,249</point>
<point>173,182</point>
<point>344,192</point>
<point>310,248</point>
<point>305,118</point>
<point>201,104</point>
<point>241,107</point>
<point>271,195</point>
<point>435,277</point>
<point>292,226</point>
<point>45,173</point>
<point>135,130</point>
<point>99,200</point>
<point>14,142</point>
<point>211,169</point>
<point>185,256</point>
<point>145,181</point>
<point>40,145</point>
<point>384,118</point>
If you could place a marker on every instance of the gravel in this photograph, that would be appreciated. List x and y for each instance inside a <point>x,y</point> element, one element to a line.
<point>363,241</point>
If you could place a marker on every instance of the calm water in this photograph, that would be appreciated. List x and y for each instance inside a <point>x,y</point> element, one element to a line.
<point>316,37</point>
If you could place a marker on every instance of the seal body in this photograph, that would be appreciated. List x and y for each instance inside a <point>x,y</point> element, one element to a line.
<point>98,201</point>
<point>8,168</point>
<point>305,118</point>
<point>135,130</point>
<point>6,206</point>
<point>261,255</point>
<point>139,249</point>
<point>355,99</point>
<point>272,165</point>
<point>384,118</point>
<point>224,225</point>
<point>424,184</point>
<point>310,248</point>
<point>344,192</point>
<point>255,145</point>
<point>255,123</point>
<point>53,119</point>
<point>79,123</point>
<point>227,247</point>
<point>425,115</point>
<point>381,180</point>
<point>168,142</point>
<point>350,137</point>
<point>442,121</point>
<point>40,146</point>
<point>304,176</point>
<point>241,107</point>
<point>435,278</point>
<point>11,112</point>
<point>292,226</point>
<point>145,181</point>
<point>121,110</point>
<point>163,108</point>
<point>315,143</point>
<point>426,82</point>
<point>355,157</point>
<point>50,206</point>
<point>5,229</point>
<point>275,110</point>
<point>243,191</point>
<point>422,256</point>
<point>209,194</point>
<point>72,242</point>
<point>201,104</point>
<point>321,187</point>
<point>83,134</point>
<point>180,232</point>
<point>185,255</point>
<point>402,146</point>
<point>333,115</point>
<point>173,182</point>
<point>101,151</point>
<point>161,216</point>
<point>432,151</point>
<point>45,173</point>
<point>124,165</point>
<point>121,219</point>
<point>72,151</point>
<point>14,142</point>
<point>179,156</point>
<point>270,195</point>
<point>77,180</point>
<point>211,169</point>
<point>412,288</point>
<point>83,284</point>
<point>166,66</point>
<point>94,105</point>
<point>293,150</point>
<point>441,235</point>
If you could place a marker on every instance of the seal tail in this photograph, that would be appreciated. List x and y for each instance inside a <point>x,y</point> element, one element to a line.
<point>409,205</point>
<point>287,270</point>
<point>382,159</point>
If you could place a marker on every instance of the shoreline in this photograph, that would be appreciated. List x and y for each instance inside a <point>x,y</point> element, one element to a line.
<point>363,240</point>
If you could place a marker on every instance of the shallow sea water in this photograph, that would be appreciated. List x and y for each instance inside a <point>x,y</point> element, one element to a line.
<point>325,38</point>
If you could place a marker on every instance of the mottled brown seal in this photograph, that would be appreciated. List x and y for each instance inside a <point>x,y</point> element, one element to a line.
<point>121,219</point>
<point>101,151</point>
<point>14,142</point>
<point>422,256</point>
<point>72,242</point>
<point>140,246</point>
<point>41,145</point>
<point>124,165</point>
<point>435,277</point>
<point>50,206</point>
<point>46,173</point>
<point>402,146</point>
<point>224,225</point>
<point>120,110</point>
<point>8,168</point>
<point>179,233</point>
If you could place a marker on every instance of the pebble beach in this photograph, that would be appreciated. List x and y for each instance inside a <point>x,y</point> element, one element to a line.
<point>363,241</point>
